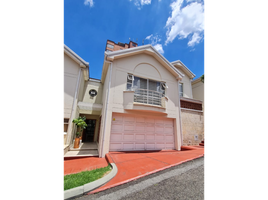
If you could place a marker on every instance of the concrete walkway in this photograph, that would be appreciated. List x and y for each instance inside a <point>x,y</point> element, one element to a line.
<point>132,166</point>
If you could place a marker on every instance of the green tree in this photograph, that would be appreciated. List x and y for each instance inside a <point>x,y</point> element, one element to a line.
<point>81,124</point>
<point>202,78</point>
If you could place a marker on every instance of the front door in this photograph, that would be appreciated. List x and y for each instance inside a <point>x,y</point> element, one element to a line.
<point>88,135</point>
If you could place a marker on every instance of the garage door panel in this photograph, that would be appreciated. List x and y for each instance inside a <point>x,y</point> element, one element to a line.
<point>159,137</point>
<point>159,128</point>
<point>140,137</point>
<point>128,137</point>
<point>140,126</point>
<point>116,137</point>
<point>129,127</point>
<point>149,127</point>
<point>169,138</point>
<point>169,130</point>
<point>149,120</point>
<point>128,146</point>
<point>115,146</point>
<point>160,145</point>
<point>132,132</point>
<point>140,119</point>
<point>150,146</point>
<point>129,119</point>
<point>139,146</point>
<point>117,127</point>
<point>150,137</point>
<point>170,145</point>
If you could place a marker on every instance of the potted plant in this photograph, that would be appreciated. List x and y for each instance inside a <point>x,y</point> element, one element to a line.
<point>81,124</point>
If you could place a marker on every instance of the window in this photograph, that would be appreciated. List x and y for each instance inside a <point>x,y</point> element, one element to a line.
<point>66,122</point>
<point>134,45</point>
<point>181,89</point>
<point>146,91</point>
<point>110,46</point>
<point>108,50</point>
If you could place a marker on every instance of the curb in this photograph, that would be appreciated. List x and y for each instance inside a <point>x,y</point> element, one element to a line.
<point>148,173</point>
<point>79,191</point>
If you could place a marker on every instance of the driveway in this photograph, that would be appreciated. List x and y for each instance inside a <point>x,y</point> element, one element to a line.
<point>184,181</point>
<point>132,166</point>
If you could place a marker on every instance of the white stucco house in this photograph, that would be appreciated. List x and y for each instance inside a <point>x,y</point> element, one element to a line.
<point>137,105</point>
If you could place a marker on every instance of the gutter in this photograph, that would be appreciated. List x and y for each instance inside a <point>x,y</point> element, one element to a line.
<point>180,113</point>
<point>69,135</point>
<point>106,108</point>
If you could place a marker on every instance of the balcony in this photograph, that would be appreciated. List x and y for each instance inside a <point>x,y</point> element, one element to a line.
<point>143,99</point>
<point>150,97</point>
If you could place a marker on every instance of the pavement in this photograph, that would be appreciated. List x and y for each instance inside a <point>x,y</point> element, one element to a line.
<point>183,182</point>
<point>133,165</point>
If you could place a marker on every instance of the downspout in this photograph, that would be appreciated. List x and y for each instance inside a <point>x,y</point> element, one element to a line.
<point>73,109</point>
<point>180,113</point>
<point>106,108</point>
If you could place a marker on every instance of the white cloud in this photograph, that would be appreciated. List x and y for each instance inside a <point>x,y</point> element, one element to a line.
<point>140,3</point>
<point>195,40</point>
<point>154,42</point>
<point>148,37</point>
<point>159,48</point>
<point>89,2</point>
<point>185,21</point>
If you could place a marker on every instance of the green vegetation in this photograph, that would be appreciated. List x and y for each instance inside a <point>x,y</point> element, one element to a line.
<point>81,124</point>
<point>202,78</point>
<point>79,179</point>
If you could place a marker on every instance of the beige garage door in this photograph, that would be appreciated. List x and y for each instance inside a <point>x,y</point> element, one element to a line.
<point>134,132</point>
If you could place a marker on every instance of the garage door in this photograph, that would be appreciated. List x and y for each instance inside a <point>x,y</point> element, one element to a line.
<point>133,132</point>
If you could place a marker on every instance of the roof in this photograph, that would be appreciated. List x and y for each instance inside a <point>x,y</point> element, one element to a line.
<point>148,49</point>
<point>184,68</point>
<point>74,56</point>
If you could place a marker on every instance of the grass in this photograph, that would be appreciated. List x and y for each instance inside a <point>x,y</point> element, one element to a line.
<point>79,179</point>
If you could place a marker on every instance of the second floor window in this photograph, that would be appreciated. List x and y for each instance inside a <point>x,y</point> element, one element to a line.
<point>110,46</point>
<point>146,91</point>
<point>181,89</point>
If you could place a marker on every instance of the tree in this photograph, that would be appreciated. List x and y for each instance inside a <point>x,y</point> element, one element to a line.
<point>202,78</point>
<point>81,124</point>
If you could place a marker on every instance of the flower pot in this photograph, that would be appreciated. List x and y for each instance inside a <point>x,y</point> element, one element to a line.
<point>76,143</point>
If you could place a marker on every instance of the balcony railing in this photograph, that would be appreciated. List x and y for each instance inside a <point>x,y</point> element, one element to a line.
<point>148,96</point>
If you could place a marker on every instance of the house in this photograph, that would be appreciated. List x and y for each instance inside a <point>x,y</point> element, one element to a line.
<point>139,103</point>
<point>76,73</point>
<point>198,90</point>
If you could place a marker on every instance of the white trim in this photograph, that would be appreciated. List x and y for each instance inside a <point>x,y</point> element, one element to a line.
<point>192,110</point>
<point>105,119</point>
<point>72,53</point>
<point>186,68</point>
<point>180,121</point>
<point>89,106</point>
<point>94,80</point>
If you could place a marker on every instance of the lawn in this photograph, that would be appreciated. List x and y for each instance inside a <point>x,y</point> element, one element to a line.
<point>79,179</point>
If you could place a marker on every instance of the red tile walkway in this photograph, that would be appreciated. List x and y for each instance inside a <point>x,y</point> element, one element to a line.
<point>136,165</point>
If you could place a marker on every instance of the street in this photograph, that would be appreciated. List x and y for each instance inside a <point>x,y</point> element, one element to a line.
<point>185,181</point>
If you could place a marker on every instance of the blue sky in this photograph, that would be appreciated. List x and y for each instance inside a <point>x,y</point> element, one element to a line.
<point>175,28</point>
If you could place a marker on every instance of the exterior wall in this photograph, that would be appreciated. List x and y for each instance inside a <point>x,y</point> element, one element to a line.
<point>145,66</point>
<point>105,129</point>
<point>192,124</point>
<point>71,71</point>
<point>96,86</point>
<point>198,91</point>
<point>187,87</point>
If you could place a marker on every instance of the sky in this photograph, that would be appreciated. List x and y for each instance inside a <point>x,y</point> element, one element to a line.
<point>174,27</point>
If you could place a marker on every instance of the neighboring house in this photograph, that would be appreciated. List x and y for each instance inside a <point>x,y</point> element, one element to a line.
<point>139,103</point>
<point>76,72</point>
<point>198,90</point>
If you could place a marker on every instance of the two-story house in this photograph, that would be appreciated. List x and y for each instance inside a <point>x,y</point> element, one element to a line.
<point>137,103</point>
